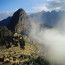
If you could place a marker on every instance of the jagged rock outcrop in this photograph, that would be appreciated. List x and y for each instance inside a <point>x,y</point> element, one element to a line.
<point>20,22</point>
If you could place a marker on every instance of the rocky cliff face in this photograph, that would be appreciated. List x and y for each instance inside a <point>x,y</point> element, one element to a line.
<point>19,22</point>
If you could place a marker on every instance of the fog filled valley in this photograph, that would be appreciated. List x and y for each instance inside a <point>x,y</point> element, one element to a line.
<point>43,38</point>
<point>51,42</point>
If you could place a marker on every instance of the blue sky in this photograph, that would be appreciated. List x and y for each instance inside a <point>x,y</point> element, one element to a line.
<point>32,5</point>
<point>27,5</point>
<point>8,7</point>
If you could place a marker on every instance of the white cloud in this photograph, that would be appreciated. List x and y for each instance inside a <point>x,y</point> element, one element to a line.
<point>40,8</point>
<point>4,15</point>
<point>51,5</point>
<point>51,41</point>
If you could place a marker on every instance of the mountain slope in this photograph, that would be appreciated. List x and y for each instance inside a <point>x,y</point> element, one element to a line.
<point>48,18</point>
<point>19,22</point>
<point>5,21</point>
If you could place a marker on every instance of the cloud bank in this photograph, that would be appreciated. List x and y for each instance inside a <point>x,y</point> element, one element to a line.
<point>51,41</point>
<point>51,5</point>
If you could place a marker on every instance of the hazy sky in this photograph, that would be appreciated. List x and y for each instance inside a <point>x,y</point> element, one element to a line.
<point>27,5</point>
<point>7,7</point>
<point>32,5</point>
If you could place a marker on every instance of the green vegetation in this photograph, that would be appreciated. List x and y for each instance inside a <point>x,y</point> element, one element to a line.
<point>18,49</point>
<point>39,61</point>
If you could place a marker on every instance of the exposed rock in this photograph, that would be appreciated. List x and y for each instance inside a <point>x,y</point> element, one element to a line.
<point>20,22</point>
<point>6,60</point>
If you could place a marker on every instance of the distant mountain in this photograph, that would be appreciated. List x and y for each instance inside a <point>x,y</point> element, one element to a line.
<point>47,18</point>
<point>5,21</point>
<point>19,22</point>
<point>4,15</point>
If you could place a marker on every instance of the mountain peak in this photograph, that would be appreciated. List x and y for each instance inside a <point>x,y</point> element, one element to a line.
<point>19,21</point>
<point>19,12</point>
<point>20,9</point>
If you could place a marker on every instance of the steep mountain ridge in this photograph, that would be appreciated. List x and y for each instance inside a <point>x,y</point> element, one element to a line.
<point>19,22</point>
<point>13,52</point>
<point>48,18</point>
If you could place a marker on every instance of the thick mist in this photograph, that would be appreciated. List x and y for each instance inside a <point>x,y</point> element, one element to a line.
<point>51,41</point>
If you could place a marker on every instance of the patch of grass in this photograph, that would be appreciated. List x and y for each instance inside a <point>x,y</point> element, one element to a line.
<point>39,61</point>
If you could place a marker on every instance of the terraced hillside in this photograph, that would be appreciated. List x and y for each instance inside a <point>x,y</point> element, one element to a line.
<point>16,55</point>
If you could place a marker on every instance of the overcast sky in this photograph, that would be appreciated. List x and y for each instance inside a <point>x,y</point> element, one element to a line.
<point>7,6</point>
